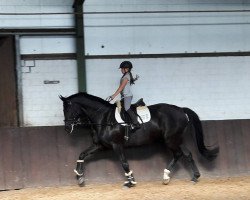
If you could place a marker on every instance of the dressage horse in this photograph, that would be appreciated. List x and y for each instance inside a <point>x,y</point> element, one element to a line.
<point>168,124</point>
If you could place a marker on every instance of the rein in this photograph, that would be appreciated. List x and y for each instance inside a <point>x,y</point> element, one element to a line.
<point>78,122</point>
<point>75,122</point>
<point>102,124</point>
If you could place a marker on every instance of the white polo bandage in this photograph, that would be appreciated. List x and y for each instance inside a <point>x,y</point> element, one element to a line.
<point>129,174</point>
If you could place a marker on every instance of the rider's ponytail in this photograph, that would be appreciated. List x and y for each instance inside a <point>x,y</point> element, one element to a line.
<point>132,79</point>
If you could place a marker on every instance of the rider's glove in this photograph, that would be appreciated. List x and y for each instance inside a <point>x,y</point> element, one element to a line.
<point>109,98</point>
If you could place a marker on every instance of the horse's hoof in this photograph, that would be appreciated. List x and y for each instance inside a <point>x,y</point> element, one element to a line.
<point>128,184</point>
<point>194,180</point>
<point>81,180</point>
<point>166,181</point>
<point>125,187</point>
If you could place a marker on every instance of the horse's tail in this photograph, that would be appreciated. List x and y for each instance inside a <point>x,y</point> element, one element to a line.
<point>209,154</point>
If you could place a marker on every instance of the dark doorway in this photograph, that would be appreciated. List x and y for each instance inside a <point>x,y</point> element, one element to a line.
<point>8,97</point>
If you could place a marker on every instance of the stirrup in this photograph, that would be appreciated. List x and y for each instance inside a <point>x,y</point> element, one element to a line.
<point>135,126</point>
<point>126,136</point>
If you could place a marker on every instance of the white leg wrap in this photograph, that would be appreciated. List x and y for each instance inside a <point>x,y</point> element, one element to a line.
<point>78,161</point>
<point>77,173</point>
<point>166,177</point>
<point>129,174</point>
<point>133,182</point>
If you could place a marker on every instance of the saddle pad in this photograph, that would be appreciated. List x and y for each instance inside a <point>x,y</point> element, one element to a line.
<point>142,111</point>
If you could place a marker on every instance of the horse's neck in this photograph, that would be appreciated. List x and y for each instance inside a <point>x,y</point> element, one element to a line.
<point>94,110</point>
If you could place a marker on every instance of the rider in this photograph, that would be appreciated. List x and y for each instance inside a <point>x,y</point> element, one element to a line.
<point>124,89</point>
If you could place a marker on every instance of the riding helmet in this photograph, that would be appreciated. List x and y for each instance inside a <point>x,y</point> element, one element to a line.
<point>126,64</point>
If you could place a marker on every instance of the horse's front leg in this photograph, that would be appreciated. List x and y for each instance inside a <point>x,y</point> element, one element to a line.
<point>79,166</point>
<point>128,173</point>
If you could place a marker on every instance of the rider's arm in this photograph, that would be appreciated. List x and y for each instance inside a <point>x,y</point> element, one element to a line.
<point>121,87</point>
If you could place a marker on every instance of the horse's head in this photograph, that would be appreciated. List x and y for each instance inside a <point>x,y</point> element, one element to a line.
<point>82,108</point>
<point>72,113</point>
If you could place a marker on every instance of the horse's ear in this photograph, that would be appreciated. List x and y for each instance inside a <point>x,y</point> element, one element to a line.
<point>62,98</point>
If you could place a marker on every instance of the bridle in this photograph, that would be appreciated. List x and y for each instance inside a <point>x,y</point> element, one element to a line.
<point>81,121</point>
<point>72,123</point>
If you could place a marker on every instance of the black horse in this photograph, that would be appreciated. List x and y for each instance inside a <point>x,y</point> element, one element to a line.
<point>168,124</point>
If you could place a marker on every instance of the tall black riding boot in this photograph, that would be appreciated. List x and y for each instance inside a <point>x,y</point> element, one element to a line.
<point>132,115</point>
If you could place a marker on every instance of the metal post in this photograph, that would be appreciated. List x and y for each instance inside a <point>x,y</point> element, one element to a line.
<point>19,81</point>
<point>80,46</point>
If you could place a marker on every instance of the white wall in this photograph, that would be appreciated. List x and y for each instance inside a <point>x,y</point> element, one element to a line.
<point>215,87</point>
<point>36,6</point>
<point>116,34</point>
<point>41,104</point>
<point>166,32</point>
<point>47,44</point>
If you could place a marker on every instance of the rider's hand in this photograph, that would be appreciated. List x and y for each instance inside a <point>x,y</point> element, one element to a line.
<point>109,98</point>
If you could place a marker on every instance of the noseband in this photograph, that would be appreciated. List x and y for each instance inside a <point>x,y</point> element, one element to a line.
<point>72,123</point>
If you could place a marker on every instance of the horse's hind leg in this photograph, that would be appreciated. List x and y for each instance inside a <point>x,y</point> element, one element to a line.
<point>177,154</point>
<point>129,174</point>
<point>189,159</point>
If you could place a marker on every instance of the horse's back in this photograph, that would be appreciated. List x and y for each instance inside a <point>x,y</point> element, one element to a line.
<point>164,118</point>
<point>166,111</point>
<point>168,117</point>
<point>164,106</point>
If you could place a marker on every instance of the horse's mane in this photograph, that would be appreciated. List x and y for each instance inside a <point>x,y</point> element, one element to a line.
<point>89,96</point>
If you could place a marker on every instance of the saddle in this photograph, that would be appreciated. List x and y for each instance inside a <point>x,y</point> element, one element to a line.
<point>120,106</point>
<point>140,109</point>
